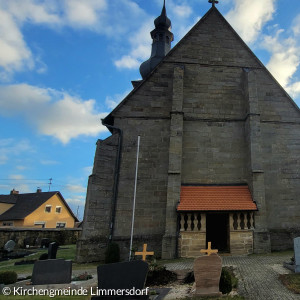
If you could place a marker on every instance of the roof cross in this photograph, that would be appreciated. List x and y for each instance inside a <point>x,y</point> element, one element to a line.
<point>144,253</point>
<point>213,2</point>
<point>209,251</point>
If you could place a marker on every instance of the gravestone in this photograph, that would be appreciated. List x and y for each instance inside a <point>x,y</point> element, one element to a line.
<point>9,246</point>
<point>45,243</point>
<point>297,254</point>
<point>27,242</point>
<point>52,271</point>
<point>130,276</point>
<point>52,250</point>
<point>207,273</point>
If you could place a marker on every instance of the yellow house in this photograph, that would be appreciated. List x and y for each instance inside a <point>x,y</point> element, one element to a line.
<point>36,210</point>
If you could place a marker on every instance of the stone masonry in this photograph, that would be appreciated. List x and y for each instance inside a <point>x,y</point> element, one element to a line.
<point>209,113</point>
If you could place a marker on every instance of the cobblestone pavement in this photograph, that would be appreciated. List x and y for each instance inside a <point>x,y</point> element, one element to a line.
<point>257,274</point>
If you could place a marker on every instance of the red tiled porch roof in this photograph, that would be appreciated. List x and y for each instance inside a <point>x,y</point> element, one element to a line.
<point>215,198</point>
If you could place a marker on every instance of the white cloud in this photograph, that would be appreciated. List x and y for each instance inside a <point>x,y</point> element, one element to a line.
<point>285,59</point>
<point>49,162</point>
<point>76,200</point>
<point>14,54</point>
<point>249,17</point>
<point>296,25</point>
<point>112,102</point>
<point>181,11</point>
<point>53,113</point>
<point>16,176</point>
<point>11,147</point>
<point>84,13</point>
<point>140,44</point>
<point>88,170</point>
<point>127,62</point>
<point>294,89</point>
<point>76,188</point>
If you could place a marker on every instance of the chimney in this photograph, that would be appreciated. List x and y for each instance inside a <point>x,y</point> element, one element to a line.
<point>14,192</point>
<point>39,190</point>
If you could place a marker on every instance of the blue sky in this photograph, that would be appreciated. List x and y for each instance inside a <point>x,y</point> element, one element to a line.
<point>65,64</point>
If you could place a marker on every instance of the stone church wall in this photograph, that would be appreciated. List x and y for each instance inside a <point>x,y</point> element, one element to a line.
<point>93,241</point>
<point>151,184</point>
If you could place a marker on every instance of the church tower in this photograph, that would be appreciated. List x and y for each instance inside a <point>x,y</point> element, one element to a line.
<point>162,38</point>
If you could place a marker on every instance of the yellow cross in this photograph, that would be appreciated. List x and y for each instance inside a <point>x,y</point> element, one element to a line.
<point>209,251</point>
<point>144,253</point>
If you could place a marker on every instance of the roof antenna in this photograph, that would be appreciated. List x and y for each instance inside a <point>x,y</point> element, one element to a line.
<point>50,182</point>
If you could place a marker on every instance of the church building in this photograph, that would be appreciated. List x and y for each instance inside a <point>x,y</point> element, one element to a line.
<point>218,156</point>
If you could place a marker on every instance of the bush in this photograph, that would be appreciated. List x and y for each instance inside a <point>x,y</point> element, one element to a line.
<point>158,275</point>
<point>112,253</point>
<point>189,278</point>
<point>225,285</point>
<point>43,256</point>
<point>8,277</point>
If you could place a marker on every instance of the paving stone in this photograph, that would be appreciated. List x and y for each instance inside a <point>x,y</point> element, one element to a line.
<point>257,274</point>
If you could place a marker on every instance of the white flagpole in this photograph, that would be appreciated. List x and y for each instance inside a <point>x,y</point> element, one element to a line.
<point>134,195</point>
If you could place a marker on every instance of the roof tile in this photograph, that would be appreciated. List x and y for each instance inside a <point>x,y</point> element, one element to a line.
<point>215,198</point>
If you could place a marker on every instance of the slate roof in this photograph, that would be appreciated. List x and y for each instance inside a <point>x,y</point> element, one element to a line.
<point>9,199</point>
<point>216,198</point>
<point>25,204</point>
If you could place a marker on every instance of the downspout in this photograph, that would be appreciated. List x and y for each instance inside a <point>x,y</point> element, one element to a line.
<point>116,181</point>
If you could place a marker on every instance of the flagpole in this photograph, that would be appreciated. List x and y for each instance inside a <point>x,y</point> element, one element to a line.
<point>134,194</point>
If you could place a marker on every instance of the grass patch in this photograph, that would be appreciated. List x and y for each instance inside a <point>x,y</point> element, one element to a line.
<point>276,253</point>
<point>67,252</point>
<point>291,281</point>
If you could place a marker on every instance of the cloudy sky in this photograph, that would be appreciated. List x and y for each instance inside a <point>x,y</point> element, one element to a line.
<point>65,64</point>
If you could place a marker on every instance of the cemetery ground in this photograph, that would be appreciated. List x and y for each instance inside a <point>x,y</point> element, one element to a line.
<point>249,265</point>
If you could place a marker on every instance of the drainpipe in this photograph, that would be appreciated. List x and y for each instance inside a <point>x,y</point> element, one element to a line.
<point>116,180</point>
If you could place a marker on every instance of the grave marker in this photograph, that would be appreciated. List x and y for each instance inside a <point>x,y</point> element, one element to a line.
<point>209,251</point>
<point>52,250</point>
<point>52,271</point>
<point>207,273</point>
<point>144,253</point>
<point>122,276</point>
<point>9,246</point>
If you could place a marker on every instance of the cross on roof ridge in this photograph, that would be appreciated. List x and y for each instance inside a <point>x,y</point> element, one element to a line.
<point>213,2</point>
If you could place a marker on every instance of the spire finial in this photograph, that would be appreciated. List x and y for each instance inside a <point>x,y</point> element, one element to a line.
<point>213,2</point>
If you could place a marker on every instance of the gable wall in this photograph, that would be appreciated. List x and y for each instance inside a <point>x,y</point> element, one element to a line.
<point>4,207</point>
<point>39,215</point>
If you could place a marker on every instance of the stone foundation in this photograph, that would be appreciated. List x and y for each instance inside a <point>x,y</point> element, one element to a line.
<point>241,242</point>
<point>190,243</point>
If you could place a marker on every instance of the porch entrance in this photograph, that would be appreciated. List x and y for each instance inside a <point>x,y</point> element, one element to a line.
<point>217,231</point>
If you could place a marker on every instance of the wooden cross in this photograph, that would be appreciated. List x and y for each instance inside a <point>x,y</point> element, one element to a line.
<point>213,2</point>
<point>209,251</point>
<point>144,253</point>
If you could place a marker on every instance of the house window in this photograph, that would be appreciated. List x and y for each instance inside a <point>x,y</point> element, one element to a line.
<point>40,224</point>
<point>60,225</point>
<point>58,209</point>
<point>48,208</point>
<point>8,223</point>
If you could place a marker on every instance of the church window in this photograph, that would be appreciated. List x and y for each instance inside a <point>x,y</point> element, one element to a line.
<point>161,37</point>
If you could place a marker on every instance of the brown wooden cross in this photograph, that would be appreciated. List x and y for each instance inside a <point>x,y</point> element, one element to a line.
<point>144,253</point>
<point>209,251</point>
<point>213,2</point>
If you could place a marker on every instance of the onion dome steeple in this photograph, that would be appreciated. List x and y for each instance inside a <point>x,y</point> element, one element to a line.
<point>162,38</point>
